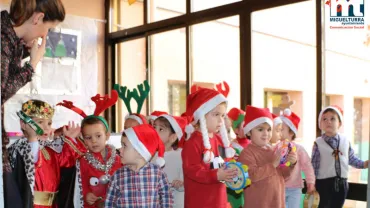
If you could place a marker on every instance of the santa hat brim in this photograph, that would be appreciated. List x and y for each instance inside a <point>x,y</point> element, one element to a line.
<point>332,108</point>
<point>174,125</point>
<point>136,118</point>
<point>151,117</point>
<point>277,121</point>
<point>257,122</point>
<point>289,123</point>
<point>208,106</point>
<point>137,144</point>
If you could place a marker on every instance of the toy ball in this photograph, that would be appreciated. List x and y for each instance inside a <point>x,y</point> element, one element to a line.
<point>286,148</point>
<point>242,180</point>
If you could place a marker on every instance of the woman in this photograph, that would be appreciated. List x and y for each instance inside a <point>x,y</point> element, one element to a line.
<point>27,21</point>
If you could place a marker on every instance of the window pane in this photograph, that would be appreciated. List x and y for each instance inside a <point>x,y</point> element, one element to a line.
<point>346,84</point>
<point>126,16</point>
<point>130,71</point>
<point>198,5</point>
<point>284,64</point>
<point>164,9</point>
<point>168,67</point>
<point>216,55</point>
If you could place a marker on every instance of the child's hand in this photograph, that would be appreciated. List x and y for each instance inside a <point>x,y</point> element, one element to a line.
<point>177,184</point>
<point>366,164</point>
<point>292,158</point>
<point>91,198</point>
<point>277,158</point>
<point>224,174</point>
<point>311,188</point>
<point>72,131</point>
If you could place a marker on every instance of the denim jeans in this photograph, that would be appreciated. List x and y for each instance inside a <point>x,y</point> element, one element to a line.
<point>293,197</point>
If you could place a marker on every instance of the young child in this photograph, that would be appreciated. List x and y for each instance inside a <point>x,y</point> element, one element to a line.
<point>201,161</point>
<point>237,117</point>
<point>94,170</point>
<point>36,165</point>
<point>140,183</point>
<point>331,155</point>
<point>267,189</point>
<point>154,115</point>
<point>171,130</point>
<point>134,119</point>
<point>294,185</point>
<point>276,131</point>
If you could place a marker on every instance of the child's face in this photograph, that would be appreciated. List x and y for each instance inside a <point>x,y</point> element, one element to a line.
<point>239,132</point>
<point>286,133</point>
<point>215,118</point>
<point>276,134</point>
<point>261,134</point>
<point>330,123</point>
<point>95,137</point>
<point>127,152</point>
<point>167,137</point>
<point>43,123</point>
<point>129,123</point>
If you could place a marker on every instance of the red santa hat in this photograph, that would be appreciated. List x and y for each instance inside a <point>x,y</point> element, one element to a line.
<point>237,116</point>
<point>336,108</point>
<point>177,123</point>
<point>291,120</point>
<point>256,116</point>
<point>155,114</point>
<point>146,142</point>
<point>277,120</point>
<point>137,117</point>
<point>198,105</point>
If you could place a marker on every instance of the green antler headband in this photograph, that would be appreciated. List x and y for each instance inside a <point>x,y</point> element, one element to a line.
<point>139,95</point>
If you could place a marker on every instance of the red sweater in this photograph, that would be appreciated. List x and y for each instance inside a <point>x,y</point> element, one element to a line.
<point>202,189</point>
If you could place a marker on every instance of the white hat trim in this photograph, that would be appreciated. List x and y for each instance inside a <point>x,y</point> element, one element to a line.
<point>257,122</point>
<point>333,108</point>
<point>136,118</point>
<point>277,121</point>
<point>137,144</point>
<point>151,117</point>
<point>208,106</point>
<point>289,123</point>
<point>174,125</point>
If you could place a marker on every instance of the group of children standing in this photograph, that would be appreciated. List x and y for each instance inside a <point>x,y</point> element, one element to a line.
<point>172,161</point>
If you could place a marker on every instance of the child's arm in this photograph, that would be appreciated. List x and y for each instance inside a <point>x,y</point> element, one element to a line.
<point>256,173</point>
<point>71,152</point>
<point>315,159</point>
<point>113,192</point>
<point>165,194</point>
<point>193,166</point>
<point>306,165</point>
<point>354,161</point>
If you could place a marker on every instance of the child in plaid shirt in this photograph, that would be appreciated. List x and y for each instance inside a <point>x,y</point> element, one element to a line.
<point>139,183</point>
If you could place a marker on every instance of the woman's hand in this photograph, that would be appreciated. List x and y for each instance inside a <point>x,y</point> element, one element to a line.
<point>37,52</point>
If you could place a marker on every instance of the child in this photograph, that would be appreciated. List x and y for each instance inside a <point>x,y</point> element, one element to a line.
<point>267,189</point>
<point>237,117</point>
<point>36,165</point>
<point>331,155</point>
<point>294,185</point>
<point>139,183</point>
<point>201,161</point>
<point>154,115</point>
<point>93,171</point>
<point>171,130</point>
<point>276,131</point>
<point>134,119</point>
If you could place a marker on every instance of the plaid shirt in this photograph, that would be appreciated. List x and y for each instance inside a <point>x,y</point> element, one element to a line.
<point>147,188</point>
<point>354,161</point>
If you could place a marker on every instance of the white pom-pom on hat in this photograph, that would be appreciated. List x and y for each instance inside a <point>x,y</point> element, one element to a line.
<point>160,161</point>
<point>287,112</point>
<point>229,152</point>
<point>189,129</point>
<point>208,156</point>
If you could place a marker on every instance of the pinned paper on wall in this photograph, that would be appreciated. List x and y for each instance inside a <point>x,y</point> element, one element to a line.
<point>60,45</point>
<point>131,1</point>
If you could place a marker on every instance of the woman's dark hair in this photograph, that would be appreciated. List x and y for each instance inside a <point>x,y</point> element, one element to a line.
<point>22,10</point>
<point>91,121</point>
<point>167,124</point>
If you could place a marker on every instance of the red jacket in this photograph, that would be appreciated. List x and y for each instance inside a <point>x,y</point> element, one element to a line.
<point>202,189</point>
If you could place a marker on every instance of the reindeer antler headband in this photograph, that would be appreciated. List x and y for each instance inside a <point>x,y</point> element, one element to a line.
<point>102,103</point>
<point>126,95</point>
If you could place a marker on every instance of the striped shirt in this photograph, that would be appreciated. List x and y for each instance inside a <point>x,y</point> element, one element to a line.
<point>147,188</point>
<point>354,161</point>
